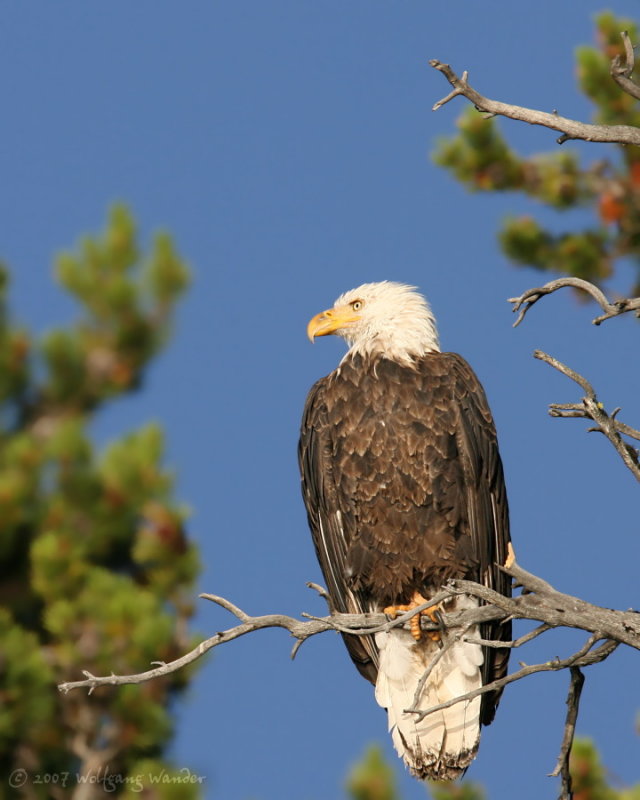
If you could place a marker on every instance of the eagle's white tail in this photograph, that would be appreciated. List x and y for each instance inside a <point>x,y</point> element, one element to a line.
<point>442,745</point>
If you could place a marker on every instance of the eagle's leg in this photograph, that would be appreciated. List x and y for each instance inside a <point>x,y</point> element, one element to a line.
<point>433,612</point>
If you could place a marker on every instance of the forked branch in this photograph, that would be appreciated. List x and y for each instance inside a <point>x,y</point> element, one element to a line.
<point>621,68</point>
<point>611,309</point>
<point>589,407</point>
<point>587,655</point>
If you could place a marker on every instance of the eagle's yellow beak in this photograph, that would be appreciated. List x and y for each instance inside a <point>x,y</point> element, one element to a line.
<point>331,321</point>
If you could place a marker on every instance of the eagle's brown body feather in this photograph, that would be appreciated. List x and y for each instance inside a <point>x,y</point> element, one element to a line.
<point>404,489</point>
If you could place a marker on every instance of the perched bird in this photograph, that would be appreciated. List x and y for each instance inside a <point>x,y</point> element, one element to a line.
<point>404,489</point>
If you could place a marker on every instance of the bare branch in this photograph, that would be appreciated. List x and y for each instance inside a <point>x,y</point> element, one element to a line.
<point>570,128</point>
<point>324,594</point>
<point>540,602</point>
<point>448,644</point>
<point>627,430</point>
<point>543,603</point>
<point>611,309</point>
<point>573,705</point>
<point>355,624</point>
<point>585,656</point>
<point>591,408</point>
<point>579,410</point>
<point>565,370</point>
<point>621,68</point>
<point>515,643</point>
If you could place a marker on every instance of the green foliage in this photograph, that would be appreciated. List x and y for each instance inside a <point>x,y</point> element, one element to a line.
<point>127,304</point>
<point>612,107</point>
<point>466,790</point>
<point>372,778</point>
<point>27,698</point>
<point>581,254</point>
<point>97,569</point>
<point>590,778</point>
<point>481,159</point>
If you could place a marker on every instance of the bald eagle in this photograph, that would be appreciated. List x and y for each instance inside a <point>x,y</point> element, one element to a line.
<point>404,489</point>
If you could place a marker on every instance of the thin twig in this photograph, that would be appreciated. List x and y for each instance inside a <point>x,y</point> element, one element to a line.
<point>578,410</point>
<point>583,657</point>
<point>513,644</point>
<point>582,382</point>
<point>593,409</point>
<point>590,407</point>
<point>627,430</point>
<point>447,645</point>
<point>611,309</point>
<point>621,68</point>
<point>573,705</point>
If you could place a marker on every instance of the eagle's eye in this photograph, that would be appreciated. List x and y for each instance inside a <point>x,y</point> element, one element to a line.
<point>356,305</point>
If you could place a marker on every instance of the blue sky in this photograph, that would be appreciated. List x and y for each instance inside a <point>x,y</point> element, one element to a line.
<point>286,146</point>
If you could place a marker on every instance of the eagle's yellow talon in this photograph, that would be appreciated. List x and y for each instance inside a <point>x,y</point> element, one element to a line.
<point>393,611</point>
<point>432,612</point>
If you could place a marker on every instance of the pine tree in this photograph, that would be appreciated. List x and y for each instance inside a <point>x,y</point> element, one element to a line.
<point>96,565</point>
<point>373,779</point>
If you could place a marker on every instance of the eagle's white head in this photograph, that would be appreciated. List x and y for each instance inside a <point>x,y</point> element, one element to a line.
<point>387,319</point>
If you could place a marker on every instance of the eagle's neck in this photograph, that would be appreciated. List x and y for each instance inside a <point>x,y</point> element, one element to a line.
<point>404,344</point>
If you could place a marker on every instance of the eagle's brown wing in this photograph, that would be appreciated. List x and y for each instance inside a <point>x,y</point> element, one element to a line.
<point>488,512</point>
<point>331,521</point>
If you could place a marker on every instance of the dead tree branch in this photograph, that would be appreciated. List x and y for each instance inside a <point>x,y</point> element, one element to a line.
<point>540,602</point>
<point>569,128</point>
<point>573,703</point>
<point>356,624</point>
<point>621,68</point>
<point>591,408</point>
<point>611,309</point>
<point>584,657</point>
